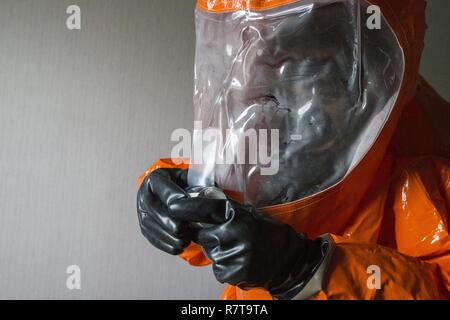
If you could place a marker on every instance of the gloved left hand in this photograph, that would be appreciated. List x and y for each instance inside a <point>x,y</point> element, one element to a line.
<point>157,191</point>
<point>250,249</point>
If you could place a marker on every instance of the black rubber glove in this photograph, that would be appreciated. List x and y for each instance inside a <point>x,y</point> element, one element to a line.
<point>159,189</point>
<point>250,249</point>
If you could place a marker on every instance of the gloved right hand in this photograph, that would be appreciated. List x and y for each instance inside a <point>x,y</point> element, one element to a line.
<point>158,191</point>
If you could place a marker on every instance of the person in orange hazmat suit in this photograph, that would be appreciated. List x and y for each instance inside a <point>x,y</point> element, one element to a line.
<point>359,205</point>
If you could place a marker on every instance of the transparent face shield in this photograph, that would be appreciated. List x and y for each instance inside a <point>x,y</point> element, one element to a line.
<point>289,100</point>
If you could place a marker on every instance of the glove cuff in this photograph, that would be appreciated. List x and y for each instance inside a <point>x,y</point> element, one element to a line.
<point>306,279</point>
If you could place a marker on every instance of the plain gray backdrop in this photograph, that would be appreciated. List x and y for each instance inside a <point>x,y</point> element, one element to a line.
<point>82,114</point>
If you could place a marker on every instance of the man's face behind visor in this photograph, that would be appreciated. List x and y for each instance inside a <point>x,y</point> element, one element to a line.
<point>314,72</point>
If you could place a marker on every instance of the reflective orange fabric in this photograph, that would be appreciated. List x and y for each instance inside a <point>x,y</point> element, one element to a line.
<point>392,210</point>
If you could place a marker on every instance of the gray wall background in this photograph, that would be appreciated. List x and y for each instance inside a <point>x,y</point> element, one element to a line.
<point>82,113</point>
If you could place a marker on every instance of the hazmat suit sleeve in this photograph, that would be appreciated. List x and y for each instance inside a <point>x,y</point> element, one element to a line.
<point>372,272</point>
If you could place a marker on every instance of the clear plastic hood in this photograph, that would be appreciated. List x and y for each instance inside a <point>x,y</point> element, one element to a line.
<point>305,85</point>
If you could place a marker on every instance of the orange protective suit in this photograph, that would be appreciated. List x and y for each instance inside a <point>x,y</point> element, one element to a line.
<point>392,210</point>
